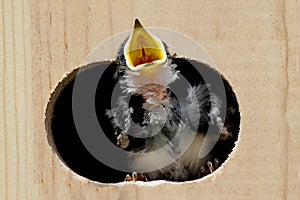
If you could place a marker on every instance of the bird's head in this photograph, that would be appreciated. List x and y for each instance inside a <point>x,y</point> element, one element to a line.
<point>147,64</point>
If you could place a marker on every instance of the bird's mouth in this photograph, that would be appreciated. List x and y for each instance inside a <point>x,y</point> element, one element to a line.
<point>143,49</point>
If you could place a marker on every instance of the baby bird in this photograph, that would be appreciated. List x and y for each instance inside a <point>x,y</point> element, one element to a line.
<point>171,128</point>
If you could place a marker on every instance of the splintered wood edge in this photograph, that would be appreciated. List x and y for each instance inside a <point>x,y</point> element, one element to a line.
<point>58,88</point>
<point>49,114</point>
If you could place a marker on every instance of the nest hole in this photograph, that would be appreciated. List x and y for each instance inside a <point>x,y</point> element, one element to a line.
<point>66,143</point>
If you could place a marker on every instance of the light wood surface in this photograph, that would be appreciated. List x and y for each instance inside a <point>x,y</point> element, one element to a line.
<point>255,44</point>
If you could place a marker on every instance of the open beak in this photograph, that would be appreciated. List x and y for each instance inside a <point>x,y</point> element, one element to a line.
<point>143,49</point>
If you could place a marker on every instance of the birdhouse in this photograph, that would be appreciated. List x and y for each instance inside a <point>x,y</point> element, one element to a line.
<point>214,86</point>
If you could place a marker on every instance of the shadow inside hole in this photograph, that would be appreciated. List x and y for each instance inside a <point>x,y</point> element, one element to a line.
<point>63,136</point>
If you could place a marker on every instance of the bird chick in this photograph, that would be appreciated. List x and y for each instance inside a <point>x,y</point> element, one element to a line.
<point>164,132</point>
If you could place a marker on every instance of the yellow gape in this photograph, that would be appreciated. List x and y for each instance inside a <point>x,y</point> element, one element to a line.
<point>143,49</point>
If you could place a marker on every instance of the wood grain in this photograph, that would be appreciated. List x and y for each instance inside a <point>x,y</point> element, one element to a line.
<point>256,45</point>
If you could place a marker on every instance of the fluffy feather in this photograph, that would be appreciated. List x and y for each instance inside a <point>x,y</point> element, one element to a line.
<point>172,132</point>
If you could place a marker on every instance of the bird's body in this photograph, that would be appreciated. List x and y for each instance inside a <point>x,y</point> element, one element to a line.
<point>165,132</point>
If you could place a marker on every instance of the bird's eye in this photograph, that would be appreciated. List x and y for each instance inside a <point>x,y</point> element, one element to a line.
<point>167,91</point>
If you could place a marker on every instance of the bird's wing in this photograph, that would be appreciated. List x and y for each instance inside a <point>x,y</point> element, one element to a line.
<point>120,115</point>
<point>202,107</point>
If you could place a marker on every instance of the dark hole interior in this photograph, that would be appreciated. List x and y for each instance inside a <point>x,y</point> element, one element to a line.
<point>63,136</point>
